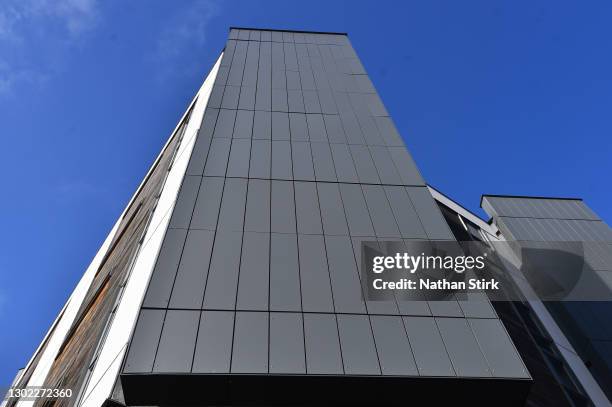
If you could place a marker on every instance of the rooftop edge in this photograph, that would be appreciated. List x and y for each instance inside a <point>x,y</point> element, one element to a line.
<point>527,197</point>
<point>290,31</point>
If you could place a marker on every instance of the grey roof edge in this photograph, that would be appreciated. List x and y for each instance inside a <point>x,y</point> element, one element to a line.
<point>489,221</point>
<point>527,197</point>
<point>288,31</point>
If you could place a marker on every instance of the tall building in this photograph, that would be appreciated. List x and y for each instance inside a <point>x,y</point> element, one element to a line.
<point>566,345</point>
<point>232,276</point>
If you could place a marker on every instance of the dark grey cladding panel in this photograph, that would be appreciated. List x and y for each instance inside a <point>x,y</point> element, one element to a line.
<point>216,96</point>
<point>406,167</point>
<point>407,219</point>
<point>255,35</point>
<point>250,350</point>
<point>357,344</point>
<point>356,210</point>
<point>380,212</point>
<point>343,161</point>
<point>225,124</point>
<point>314,275</point>
<point>429,214</point>
<point>249,77</point>
<point>308,83</point>
<point>257,217</point>
<point>307,208</point>
<point>388,132</point>
<point>280,126</point>
<point>144,341</point>
<point>548,220</point>
<point>214,342</point>
<point>298,127</point>
<point>277,36</point>
<point>369,129</point>
<point>216,164</point>
<point>231,213</point>
<point>346,285</point>
<point>287,354</point>
<point>366,170</point>
<point>373,307</point>
<point>332,210</point>
<point>193,270</point>
<point>463,348</point>
<point>477,306</point>
<point>544,208</point>
<point>351,128</point>
<point>326,100</point>
<point>229,47</point>
<point>261,157</point>
<point>294,82</point>
<point>160,285</point>
<point>230,97</point>
<point>222,75</point>
<point>311,100</point>
<point>262,125</point>
<point>238,163</point>
<point>502,357</point>
<point>208,203</point>
<point>363,84</point>
<point>202,143</point>
<point>278,64</point>
<point>446,308</point>
<point>281,160</point>
<point>295,164</point>
<point>177,342</point>
<point>282,219</point>
<point>243,34</point>
<point>253,280</point>
<point>263,99</point>
<point>418,307</point>
<point>247,98</point>
<point>316,127</point>
<point>222,282</point>
<point>563,229</point>
<point>384,164</point>
<point>183,208</point>
<point>430,353</point>
<point>413,308</point>
<point>237,68</point>
<point>279,100</point>
<point>322,344</point>
<point>285,291</point>
<point>243,128</point>
<point>392,344</point>
<point>333,127</point>
<point>302,161</point>
<point>290,57</point>
<point>295,100</point>
<point>266,36</point>
<point>323,162</point>
<point>599,255</point>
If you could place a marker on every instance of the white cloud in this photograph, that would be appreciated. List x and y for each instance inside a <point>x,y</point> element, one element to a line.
<point>36,34</point>
<point>78,15</point>
<point>184,30</point>
<point>19,19</point>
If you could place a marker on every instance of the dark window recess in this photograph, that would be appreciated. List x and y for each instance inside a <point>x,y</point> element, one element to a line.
<point>553,383</point>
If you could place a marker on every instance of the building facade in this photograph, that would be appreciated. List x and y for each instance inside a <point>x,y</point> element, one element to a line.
<point>232,277</point>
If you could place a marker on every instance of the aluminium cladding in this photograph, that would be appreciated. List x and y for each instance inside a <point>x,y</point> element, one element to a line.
<point>296,162</point>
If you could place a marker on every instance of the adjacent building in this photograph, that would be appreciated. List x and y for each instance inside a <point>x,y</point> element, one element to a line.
<point>231,278</point>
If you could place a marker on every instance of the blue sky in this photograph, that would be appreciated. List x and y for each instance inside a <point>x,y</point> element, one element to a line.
<point>491,97</point>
